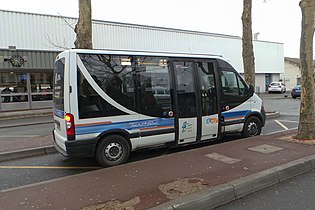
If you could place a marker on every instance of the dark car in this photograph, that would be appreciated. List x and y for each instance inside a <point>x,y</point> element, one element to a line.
<point>296,91</point>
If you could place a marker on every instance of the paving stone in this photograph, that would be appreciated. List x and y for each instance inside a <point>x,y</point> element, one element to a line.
<point>222,158</point>
<point>265,149</point>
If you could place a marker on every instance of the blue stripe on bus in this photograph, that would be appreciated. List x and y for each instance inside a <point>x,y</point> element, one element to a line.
<point>235,115</point>
<point>128,125</point>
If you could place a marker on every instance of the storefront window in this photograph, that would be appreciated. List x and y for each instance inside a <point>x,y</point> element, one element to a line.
<point>41,86</point>
<point>13,87</point>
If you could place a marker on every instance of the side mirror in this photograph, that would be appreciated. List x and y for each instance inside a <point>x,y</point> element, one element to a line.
<point>251,90</point>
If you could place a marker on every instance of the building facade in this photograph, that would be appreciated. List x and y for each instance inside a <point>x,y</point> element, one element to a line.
<point>26,79</point>
<point>292,72</point>
<point>29,43</point>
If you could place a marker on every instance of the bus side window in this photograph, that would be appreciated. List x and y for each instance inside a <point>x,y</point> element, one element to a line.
<point>207,88</point>
<point>186,91</point>
<point>154,86</point>
<point>106,72</point>
<point>229,83</point>
<point>243,89</point>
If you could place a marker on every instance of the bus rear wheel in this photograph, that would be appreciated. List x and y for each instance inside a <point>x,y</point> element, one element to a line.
<point>112,150</point>
<point>252,127</point>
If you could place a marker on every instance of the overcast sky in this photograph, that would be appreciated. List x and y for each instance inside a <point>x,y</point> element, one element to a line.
<point>276,20</point>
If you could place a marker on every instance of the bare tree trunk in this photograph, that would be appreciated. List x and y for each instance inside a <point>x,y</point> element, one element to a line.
<point>306,128</point>
<point>83,28</point>
<point>248,52</point>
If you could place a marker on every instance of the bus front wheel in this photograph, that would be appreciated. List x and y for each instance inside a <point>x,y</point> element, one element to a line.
<point>112,150</point>
<point>252,127</point>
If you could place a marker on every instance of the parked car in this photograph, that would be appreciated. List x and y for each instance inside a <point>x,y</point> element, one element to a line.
<point>296,91</point>
<point>276,87</point>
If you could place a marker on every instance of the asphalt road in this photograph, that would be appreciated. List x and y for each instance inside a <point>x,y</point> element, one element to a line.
<point>29,131</point>
<point>26,171</point>
<point>41,168</point>
<point>293,194</point>
<point>280,123</point>
<point>284,105</point>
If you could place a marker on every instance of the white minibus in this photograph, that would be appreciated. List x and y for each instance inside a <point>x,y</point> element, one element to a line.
<point>109,103</point>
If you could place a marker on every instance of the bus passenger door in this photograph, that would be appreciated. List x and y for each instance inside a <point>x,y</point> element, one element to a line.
<point>209,101</point>
<point>186,98</point>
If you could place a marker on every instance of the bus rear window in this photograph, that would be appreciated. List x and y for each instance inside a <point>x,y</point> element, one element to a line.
<point>58,96</point>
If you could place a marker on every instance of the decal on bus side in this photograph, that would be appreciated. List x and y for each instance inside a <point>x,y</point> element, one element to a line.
<point>59,113</point>
<point>211,120</point>
<point>152,124</point>
<point>237,115</point>
<point>186,127</point>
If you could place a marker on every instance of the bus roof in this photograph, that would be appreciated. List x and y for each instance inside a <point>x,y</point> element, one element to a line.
<point>148,53</point>
<point>143,53</point>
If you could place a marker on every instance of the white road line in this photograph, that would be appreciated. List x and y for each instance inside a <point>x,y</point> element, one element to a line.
<point>289,121</point>
<point>283,126</point>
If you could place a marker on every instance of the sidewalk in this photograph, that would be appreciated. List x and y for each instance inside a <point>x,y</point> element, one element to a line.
<point>201,178</point>
<point>28,146</point>
<point>8,115</point>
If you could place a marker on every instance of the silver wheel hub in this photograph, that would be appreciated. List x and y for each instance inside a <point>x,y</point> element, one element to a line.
<point>113,151</point>
<point>252,128</point>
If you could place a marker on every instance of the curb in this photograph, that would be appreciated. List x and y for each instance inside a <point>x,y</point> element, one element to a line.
<point>25,113</point>
<point>25,124</point>
<point>5,156</point>
<point>272,115</point>
<point>230,191</point>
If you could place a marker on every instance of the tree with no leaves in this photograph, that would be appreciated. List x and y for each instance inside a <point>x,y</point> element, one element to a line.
<point>306,128</point>
<point>247,40</point>
<point>83,28</point>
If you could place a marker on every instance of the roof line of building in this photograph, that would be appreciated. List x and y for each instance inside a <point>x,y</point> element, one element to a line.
<point>31,50</point>
<point>295,61</point>
<point>144,26</point>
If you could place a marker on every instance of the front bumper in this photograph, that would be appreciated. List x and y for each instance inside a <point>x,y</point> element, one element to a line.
<point>263,117</point>
<point>274,90</point>
<point>296,94</point>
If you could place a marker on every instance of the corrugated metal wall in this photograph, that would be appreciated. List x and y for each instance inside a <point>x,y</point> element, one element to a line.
<point>132,37</point>
<point>34,60</point>
<point>36,32</point>
<point>45,32</point>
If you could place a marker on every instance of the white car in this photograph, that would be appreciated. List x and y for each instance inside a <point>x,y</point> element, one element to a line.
<point>276,87</point>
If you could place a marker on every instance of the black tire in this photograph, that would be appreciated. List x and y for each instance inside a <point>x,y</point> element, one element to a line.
<point>294,97</point>
<point>252,127</point>
<point>112,150</point>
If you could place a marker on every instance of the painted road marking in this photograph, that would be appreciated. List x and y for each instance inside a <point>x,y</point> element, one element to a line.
<point>222,158</point>
<point>289,121</point>
<point>49,167</point>
<point>283,126</point>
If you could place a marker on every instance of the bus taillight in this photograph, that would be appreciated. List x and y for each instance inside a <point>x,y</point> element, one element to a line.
<point>70,126</point>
